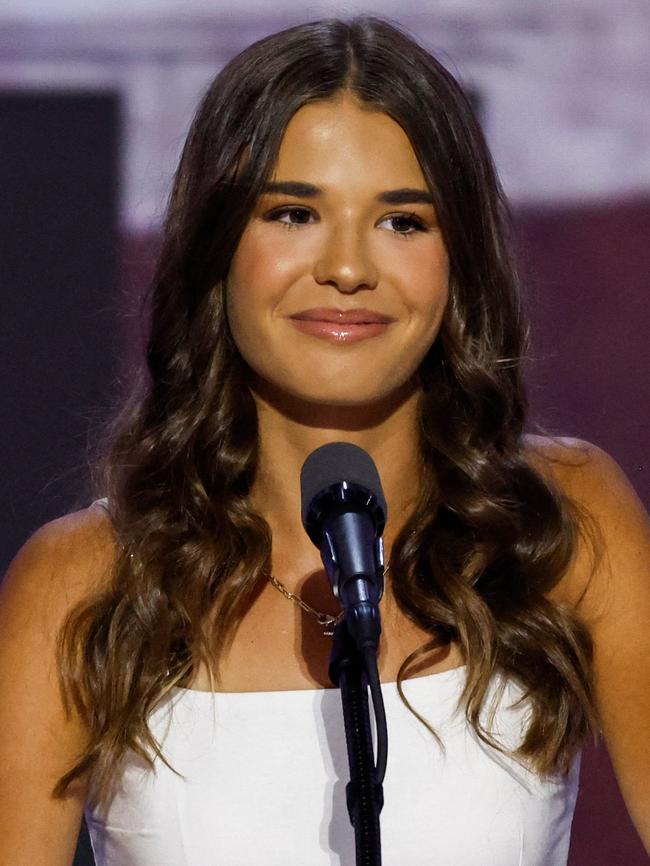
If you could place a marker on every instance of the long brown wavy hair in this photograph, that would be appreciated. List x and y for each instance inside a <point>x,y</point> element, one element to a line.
<point>489,536</point>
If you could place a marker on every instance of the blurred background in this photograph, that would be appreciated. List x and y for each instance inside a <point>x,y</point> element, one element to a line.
<point>95,102</point>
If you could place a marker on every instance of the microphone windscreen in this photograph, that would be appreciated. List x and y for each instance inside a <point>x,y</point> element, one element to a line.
<point>334,463</point>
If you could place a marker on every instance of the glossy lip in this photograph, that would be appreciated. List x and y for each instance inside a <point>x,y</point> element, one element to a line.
<point>336,332</point>
<point>357,316</point>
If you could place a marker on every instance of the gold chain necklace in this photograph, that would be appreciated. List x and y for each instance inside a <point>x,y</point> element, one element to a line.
<point>328,622</point>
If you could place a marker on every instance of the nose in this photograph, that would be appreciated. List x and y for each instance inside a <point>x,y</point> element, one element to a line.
<point>345,261</point>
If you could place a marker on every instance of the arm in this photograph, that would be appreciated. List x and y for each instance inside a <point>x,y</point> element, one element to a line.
<point>37,743</point>
<point>616,606</point>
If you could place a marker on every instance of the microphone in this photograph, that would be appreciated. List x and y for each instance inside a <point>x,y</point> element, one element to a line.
<point>344,513</point>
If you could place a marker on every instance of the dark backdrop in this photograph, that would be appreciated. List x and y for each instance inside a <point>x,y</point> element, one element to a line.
<point>59,340</point>
<point>58,270</point>
<point>586,281</point>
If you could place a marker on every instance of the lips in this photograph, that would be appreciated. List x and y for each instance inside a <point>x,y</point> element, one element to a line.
<point>357,316</point>
<point>341,326</point>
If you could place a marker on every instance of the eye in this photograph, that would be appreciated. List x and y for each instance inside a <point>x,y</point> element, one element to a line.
<point>274,216</point>
<point>303,215</point>
<point>410,220</point>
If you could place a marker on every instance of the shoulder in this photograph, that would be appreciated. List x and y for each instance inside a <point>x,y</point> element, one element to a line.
<point>41,733</point>
<point>63,563</point>
<point>63,560</point>
<point>587,475</point>
<point>88,529</point>
<point>573,464</point>
<point>614,539</point>
<point>611,594</point>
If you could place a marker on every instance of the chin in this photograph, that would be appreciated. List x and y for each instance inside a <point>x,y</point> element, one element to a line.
<point>309,400</point>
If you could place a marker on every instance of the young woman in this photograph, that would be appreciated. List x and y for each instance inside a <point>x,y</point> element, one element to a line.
<point>163,664</point>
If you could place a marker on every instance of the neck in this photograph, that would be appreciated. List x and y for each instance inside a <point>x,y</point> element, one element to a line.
<point>289,430</point>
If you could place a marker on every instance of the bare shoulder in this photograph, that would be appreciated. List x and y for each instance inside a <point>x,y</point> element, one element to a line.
<point>60,564</point>
<point>569,462</point>
<point>615,530</point>
<point>67,557</point>
<point>613,590</point>
<point>587,474</point>
<point>85,536</point>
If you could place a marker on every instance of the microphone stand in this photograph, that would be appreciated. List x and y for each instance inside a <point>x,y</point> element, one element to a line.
<point>353,671</point>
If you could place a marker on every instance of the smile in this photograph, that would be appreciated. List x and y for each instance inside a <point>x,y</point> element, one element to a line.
<point>337,332</point>
<point>340,325</point>
<point>356,316</point>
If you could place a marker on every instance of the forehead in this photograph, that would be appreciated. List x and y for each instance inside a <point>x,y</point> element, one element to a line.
<point>337,139</point>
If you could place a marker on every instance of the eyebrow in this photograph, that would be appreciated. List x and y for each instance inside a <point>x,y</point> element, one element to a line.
<point>405,195</point>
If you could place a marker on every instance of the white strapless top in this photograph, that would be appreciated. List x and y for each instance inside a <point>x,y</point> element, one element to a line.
<point>265,776</point>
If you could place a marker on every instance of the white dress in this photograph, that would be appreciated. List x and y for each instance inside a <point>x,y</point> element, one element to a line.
<point>265,776</point>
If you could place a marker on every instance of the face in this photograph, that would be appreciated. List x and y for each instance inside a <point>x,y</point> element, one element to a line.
<point>339,246</point>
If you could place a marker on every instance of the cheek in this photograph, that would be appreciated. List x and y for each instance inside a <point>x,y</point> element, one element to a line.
<point>259,273</point>
<point>256,288</point>
<point>427,288</point>
<point>247,285</point>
